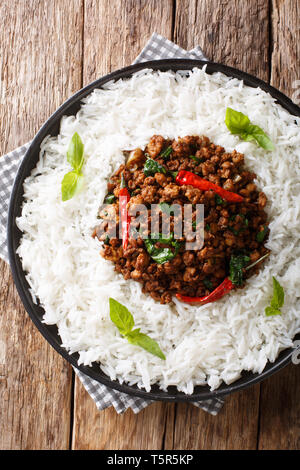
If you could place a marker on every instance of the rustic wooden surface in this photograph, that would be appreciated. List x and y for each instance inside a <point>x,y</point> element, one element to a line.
<point>48,50</point>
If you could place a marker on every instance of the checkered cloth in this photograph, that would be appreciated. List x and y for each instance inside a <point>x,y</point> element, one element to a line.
<point>157,48</point>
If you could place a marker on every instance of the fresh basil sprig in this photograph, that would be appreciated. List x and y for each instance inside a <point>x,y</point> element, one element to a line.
<point>238,123</point>
<point>162,255</point>
<point>124,321</point>
<point>72,181</point>
<point>277,300</point>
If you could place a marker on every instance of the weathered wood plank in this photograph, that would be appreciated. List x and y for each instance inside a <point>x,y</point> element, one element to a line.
<point>285,47</point>
<point>40,56</point>
<point>280,411</point>
<point>280,405</point>
<point>114,34</point>
<point>235,33</point>
<point>110,431</point>
<point>235,427</point>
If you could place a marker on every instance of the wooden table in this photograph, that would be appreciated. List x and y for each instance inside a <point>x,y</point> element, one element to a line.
<point>48,50</point>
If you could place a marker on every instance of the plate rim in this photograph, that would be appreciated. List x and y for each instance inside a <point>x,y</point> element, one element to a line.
<point>173,395</point>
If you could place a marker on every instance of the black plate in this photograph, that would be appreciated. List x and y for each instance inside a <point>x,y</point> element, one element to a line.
<point>70,107</point>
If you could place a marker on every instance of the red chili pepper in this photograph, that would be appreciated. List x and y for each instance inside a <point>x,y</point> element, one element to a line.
<point>225,287</point>
<point>189,178</point>
<point>124,197</point>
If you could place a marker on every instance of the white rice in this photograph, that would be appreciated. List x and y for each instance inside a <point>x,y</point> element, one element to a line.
<point>207,344</point>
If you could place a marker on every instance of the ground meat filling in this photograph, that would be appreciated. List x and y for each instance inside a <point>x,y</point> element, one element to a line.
<point>229,228</point>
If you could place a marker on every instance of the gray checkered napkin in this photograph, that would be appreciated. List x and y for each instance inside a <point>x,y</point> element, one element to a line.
<point>157,48</point>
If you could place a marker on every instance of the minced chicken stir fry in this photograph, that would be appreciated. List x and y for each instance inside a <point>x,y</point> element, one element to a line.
<point>190,170</point>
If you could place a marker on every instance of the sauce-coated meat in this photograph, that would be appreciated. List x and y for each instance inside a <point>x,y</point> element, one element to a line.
<point>229,228</point>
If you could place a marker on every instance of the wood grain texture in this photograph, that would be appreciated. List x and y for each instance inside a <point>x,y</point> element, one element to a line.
<point>280,411</point>
<point>235,427</point>
<point>233,32</point>
<point>114,34</point>
<point>107,430</point>
<point>285,47</point>
<point>40,54</point>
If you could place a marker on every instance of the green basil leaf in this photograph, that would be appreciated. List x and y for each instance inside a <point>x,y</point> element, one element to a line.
<point>124,321</point>
<point>72,181</point>
<point>238,123</point>
<point>270,311</point>
<point>247,137</point>
<point>196,159</point>
<point>278,294</point>
<point>260,137</point>
<point>160,255</point>
<point>121,316</point>
<point>70,185</point>
<point>75,152</point>
<point>277,300</point>
<point>173,174</point>
<point>163,254</point>
<point>151,167</point>
<point>109,198</point>
<point>166,153</point>
<point>261,235</point>
<point>145,342</point>
<point>236,265</point>
<point>219,200</point>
